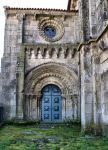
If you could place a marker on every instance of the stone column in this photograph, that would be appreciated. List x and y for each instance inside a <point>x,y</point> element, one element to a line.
<point>94,90</point>
<point>85,19</point>
<point>79,108</point>
<point>24,108</point>
<point>38,107</point>
<point>69,107</point>
<point>20,28</point>
<point>20,69</point>
<point>72,106</point>
<point>86,86</point>
<point>92,18</point>
<point>34,108</point>
<point>83,121</point>
<point>63,107</point>
<point>96,83</point>
<point>75,108</point>
<point>20,84</point>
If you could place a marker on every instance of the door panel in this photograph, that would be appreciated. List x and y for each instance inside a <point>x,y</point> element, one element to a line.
<point>46,108</point>
<point>55,90</point>
<point>51,104</point>
<point>56,108</point>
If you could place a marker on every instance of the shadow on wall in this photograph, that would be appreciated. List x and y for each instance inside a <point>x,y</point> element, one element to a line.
<point>1,114</point>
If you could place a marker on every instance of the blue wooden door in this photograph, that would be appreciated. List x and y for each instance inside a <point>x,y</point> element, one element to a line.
<point>51,104</point>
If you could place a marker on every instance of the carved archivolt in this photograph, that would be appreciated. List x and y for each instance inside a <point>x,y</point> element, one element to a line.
<point>56,24</point>
<point>51,73</point>
<point>49,80</point>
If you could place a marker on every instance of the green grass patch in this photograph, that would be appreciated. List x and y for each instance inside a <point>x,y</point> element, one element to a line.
<point>52,138</point>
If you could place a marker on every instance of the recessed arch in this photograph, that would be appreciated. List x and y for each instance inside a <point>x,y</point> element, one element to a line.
<point>50,73</point>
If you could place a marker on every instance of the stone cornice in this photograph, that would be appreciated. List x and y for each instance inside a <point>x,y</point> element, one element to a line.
<point>12,10</point>
<point>50,45</point>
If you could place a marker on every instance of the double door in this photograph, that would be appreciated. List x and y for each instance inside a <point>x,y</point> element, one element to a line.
<point>51,104</point>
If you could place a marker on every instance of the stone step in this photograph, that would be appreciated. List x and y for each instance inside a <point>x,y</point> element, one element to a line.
<point>49,125</point>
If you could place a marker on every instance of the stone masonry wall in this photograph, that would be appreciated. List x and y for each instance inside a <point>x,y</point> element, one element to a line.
<point>23,27</point>
<point>9,65</point>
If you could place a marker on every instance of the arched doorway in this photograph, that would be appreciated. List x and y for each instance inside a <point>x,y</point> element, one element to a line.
<point>51,104</point>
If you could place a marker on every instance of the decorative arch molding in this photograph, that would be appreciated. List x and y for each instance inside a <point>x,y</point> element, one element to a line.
<point>50,80</point>
<point>50,73</point>
<point>52,63</point>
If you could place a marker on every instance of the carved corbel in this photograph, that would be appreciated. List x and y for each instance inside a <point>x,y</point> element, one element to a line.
<point>74,52</point>
<point>59,52</point>
<point>37,52</point>
<point>67,52</point>
<point>53,52</point>
<point>45,53</point>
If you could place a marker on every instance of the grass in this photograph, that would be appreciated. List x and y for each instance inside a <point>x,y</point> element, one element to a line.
<point>52,138</point>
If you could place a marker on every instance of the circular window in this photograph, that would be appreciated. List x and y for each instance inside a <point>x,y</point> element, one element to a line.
<point>51,30</point>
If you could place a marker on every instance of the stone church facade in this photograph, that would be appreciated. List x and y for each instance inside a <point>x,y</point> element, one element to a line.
<point>55,63</point>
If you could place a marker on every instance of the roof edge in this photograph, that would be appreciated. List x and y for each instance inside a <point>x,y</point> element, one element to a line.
<point>46,9</point>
